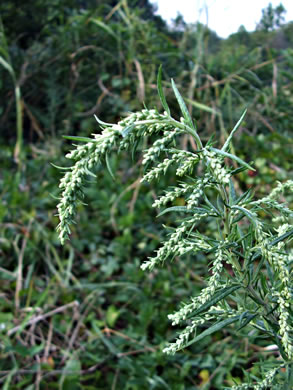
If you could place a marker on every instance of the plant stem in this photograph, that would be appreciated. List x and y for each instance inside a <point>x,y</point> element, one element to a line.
<point>19,127</point>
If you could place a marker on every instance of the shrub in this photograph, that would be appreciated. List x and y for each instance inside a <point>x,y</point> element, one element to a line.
<point>248,280</point>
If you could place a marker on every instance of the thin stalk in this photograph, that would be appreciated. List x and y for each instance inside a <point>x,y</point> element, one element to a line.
<point>180,125</point>
<point>19,126</point>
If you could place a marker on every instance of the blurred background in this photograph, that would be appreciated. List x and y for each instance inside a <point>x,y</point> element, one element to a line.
<point>84,316</point>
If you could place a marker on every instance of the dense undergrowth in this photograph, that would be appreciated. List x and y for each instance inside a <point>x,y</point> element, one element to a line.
<point>84,316</point>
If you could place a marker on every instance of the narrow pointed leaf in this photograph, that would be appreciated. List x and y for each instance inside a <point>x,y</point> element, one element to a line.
<point>62,168</point>
<point>202,107</point>
<point>282,237</point>
<point>235,158</point>
<point>212,329</point>
<point>182,106</point>
<point>161,92</point>
<point>81,139</point>
<point>237,170</point>
<point>109,166</point>
<point>183,209</point>
<point>246,213</point>
<point>217,297</point>
<point>88,172</point>
<point>245,196</point>
<point>232,193</point>
<point>247,320</point>
<point>228,140</point>
<point>101,122</point>
<point>212,206</point>
<point>7,66</point>
<point>104,27</point>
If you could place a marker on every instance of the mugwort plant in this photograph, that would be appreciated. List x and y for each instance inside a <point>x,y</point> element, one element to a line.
<point>251,240</point>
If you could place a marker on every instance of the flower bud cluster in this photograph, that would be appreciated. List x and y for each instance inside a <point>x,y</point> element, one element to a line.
<point>187,160</point>
<point>81,151</point>
<point>283,301</point>
<point>188,163</point>
<point>267,381</point>
<point>280,264</point>
<point>142,115</point>
<point>173,245</point>
<point>215,164</point>
<point>177,245</point>
<point>281,207</point>
<point>160,145</point>
<point>193,198</point>
<point>158,171</point>
<point>206,293</point>
<point>72,182</point>
<point>286,213</point>
<point>183,337</point>
<point>270,202</point>
<point>142,123</point>
<point>172,195</point>
<point>281,187</point>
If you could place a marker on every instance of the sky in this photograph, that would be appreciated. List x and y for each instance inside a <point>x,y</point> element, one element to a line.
<point>222,16</point>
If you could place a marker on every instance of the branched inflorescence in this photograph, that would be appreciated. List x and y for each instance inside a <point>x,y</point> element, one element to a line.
<point>243,245</point>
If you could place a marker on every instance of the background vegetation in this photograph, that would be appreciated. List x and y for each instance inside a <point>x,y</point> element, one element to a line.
<point>84,316</point>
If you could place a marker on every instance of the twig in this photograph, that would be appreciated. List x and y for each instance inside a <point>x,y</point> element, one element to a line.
<point>124,336</point>
<point>49,340</point>
<point>135,352</point>
<point>20,265</point>
<point>42,317</point>
<point>53,372</point>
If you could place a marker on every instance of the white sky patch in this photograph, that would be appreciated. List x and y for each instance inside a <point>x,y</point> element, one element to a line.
<point>222,16</point>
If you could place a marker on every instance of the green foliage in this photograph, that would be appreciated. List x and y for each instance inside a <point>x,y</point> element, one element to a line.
<point>242,241</point>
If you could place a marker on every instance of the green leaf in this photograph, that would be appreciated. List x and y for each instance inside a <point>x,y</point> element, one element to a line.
<point>218,296</point>
<point>88,172</point>
<point>112,315</point>
<point>212,329</point>
<point>203,107</point>
<point>246,213</point>
<point>104,27</point>
<point>235,158</point>
<point>109,167</point>
<point>7,66</point>
<point>101,122</point>
<point>232,193</point>
<point>237,170</point>
<point>183,209</point>
<point>227,143</point>
<point>245,319</point>
<point>134,148</point>
<point>282,237</point>
<point>160,91</point>
<point>182,106</point>
<point>81,139</point>
<point>62,168</point>
<point>218,212</point>
<point>247,195</point>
